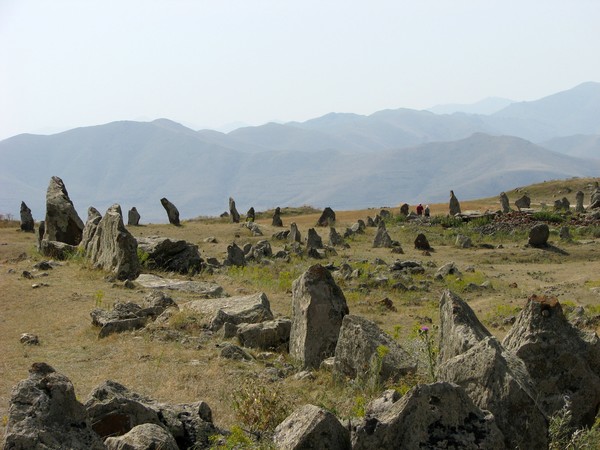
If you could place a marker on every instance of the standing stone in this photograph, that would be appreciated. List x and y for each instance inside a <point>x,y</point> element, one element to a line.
<point>40,235</point>
<point>565,233</point>
<point>277,222</point>
<point>89,230</point>
<point>172,211</point>
<point>421,242</point>
<point>318,308</point>
<point>538,235</point>
<point>235,256</point>
<point>504,203</point>
<point>294,235</point>
<point>133,217</point>
<point>313,240</point>
<point>454,204</point>
<point>335,238</point>
<point>233,212</point>
<point>113,248</point>
<point>62,222</point>
<point>565,204</point>
<point>327,218</point>
<point>579,202</point>
<point>523,202</point>
<point>382,238</point>
<point>557,205</point>
<point>251,215</point>
<point>27,223</point>
<point>404,209</point>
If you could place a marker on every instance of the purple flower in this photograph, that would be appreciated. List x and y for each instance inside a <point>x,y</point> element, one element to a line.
<point>424,329</point>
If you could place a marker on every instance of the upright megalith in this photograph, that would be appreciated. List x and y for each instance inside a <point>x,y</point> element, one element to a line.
<point>454,205</point>
<point>277,222</point>
<point>504,203</point>
<point>404,209</point>
<point>523,202</point>
<point>318,308</point>
<point>327,218</point>
<point>251,215</point>
<point>313,240</point>
<point>62,221</point>
<point>579,202</point>
<point>172,211</point>
<point>113,248</point>
<point>234,215</point>
<point>27,223</point>
<point>294,235</point>
<point>382,238</point>
<point>89,230</point>
<point>133,217</point>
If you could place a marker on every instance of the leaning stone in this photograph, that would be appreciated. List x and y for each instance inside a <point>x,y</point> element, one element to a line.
<point>563,361</point>
<point>143,437</point>
<point>133,217</point>
<point>233,212</point>
<point>62,223</point>
<point>27,223</point>
<point>44,414</point>
<point>538,235</point>
<point>268,335</point>
<point>366,353</point>
<point>434,416</point>
<point>311,427</point>
<point>327,218</point>
<point>318,307</point>
<point>172,211</point>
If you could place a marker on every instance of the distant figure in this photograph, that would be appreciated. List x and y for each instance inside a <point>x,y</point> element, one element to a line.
<point>420,210</point>
<point>426,211</point>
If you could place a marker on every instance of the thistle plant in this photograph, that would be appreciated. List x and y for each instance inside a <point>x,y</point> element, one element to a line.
<point>430,350</point>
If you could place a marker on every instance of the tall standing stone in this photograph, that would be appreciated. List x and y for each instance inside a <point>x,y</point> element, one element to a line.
<point>27,223</point>
<point>294,235</point>
<point>579,202</point>
<point>62,222</point>
<point>327,218</point>
<point>172,211</point>
<point>404,209</point>
<point>277,222</point>
<point>233,212</point>
<point>504,203</point>
<point>133,217</point>
<point>313,240</point>
<point>382,238</point>
<point>90,228</point>
<point>454,205</point>
<point>318,308</point>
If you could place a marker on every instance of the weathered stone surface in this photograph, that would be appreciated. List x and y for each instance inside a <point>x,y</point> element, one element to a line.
<point>233,212</point>
<point>449,268</point>
<point>262,249</point>
<point>268,335</point>
<point>230,351</point>
<point>313,240</point>
<point>579,202</point>
<point>404,209</point>
<point>497,380</point>
<point>382,238</point>
<point>595,195</point>
<point>29,339</point>
<point>565,233</point>
<point>463,241</point>
<point>251,215</point>
<point>62,224</point>
<point>114,410</point>
<point>133,217</point>
<point>563,361</point>
<point>39,236</point>
<point>454,205</point>
<point>171,255</point>
<point>311,427</point>
<point>90,228</point>
<point>56,250</point>
<point>245,309</point>
<point>235,256</point>
<point>383,403</point>
<point>358,353</point>
<point>421,242</point>
<point>254,228</point>
<point>143,437</point>
<point>112,247</point>
<point>504,203</point>
<point>27,223</point>
<point>172,211</point>
<point>294,235</point>
<point>523,202</point>
<point>277,222</point>
<point>44,414</point>
<point>538,235</point>
<point>327,218</point>
<point>318,307</point>
<point>431,416</point>
<point>460,329</point>
<point>202,288</point>
<point>335,238</point>
<point>123,317</point>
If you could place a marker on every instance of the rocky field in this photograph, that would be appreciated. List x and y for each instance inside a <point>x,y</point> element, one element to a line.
<point>217,348</point>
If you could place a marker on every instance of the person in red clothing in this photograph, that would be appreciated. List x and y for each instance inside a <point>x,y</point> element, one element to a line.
<point>420,210</point>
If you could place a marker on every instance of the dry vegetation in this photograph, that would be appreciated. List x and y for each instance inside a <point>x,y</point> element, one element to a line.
<point>175,371</point>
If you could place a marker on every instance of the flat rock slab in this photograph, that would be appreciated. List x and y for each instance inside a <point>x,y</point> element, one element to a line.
<point>210,290</point>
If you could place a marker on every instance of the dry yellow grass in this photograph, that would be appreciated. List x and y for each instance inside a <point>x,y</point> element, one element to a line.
<point>172,371</point>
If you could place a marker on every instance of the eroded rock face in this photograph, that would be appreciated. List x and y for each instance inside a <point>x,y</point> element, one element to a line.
<point>327,218</point>
<point>311,427</point>
<point>364,351</point>
<point>27,223</point>
<point>233,212</point>
<point>523,202</point>
<point>335,238</point>
<point>497,380</point>
<point>432,416</point>
<point>382,238</point>
<point>141,437</point>
<point>454,205</point>
<point>90,228</point>
<point>268,335</point>
<point>172,211</point>
<point>318,307</point>
<point>171,255</point>
<point>45,414</point>
<point>112,247</point>
<point>62,223</point>
<point>563,361</point>
<point>313,240</point>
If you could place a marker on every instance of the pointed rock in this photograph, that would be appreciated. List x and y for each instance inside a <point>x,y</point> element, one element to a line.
<point>133,217</point>
<point>233,212</point>
<point>327,218</point>
<point>172,211</point>
<point>382,238</point>
<point>27,223</point>
<point>454,205</point>
<point>62,221</point>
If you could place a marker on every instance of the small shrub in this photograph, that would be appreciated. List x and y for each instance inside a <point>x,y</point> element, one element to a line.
<point>236,440</point>
<point>447,221</point>
<point>547,216</point>
<point>142,256</point>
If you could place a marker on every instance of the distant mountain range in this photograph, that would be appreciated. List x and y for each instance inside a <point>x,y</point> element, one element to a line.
<point>344,161</point>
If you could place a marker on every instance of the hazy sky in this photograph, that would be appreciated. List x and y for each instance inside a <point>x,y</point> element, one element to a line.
<point>206,63</point>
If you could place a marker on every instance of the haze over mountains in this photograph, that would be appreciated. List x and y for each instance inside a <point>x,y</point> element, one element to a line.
<point>345,161</point>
